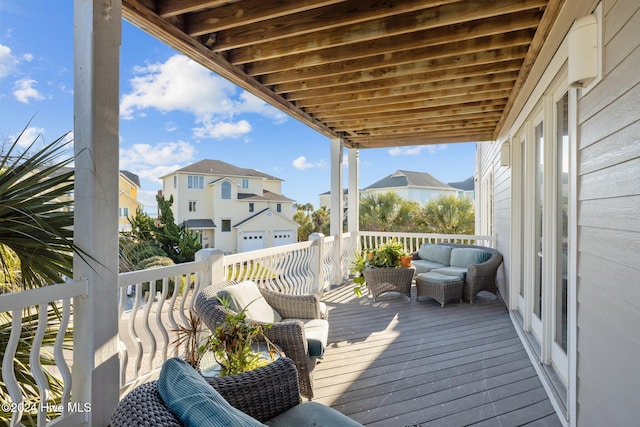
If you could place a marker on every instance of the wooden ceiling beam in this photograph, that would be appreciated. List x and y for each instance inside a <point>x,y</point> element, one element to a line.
<point>312,21</point>
<point>169,8</point>
<point>453,128</point>
<point>483,117</point>
<point>424,114</point>
<point>367,86</point>
<point>360,56</point>
<point>450,95</point>
<point>248,13</point>
<point>408,106</point>
<point>418,139</point>
<point>441,16</point>
<point>487,53</point>
<point>442,86</point>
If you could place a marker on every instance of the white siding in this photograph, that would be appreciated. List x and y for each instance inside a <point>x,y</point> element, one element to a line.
<point>609,228</point>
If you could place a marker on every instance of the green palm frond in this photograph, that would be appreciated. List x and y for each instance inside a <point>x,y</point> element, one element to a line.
<point>36,219</point>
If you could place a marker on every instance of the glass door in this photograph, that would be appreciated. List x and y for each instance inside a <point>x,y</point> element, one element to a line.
<point>537,219</point>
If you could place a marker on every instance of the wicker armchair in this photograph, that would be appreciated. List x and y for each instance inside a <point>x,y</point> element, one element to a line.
<point>383,280</point>
<point>480,277</point>
<point>289,334</point>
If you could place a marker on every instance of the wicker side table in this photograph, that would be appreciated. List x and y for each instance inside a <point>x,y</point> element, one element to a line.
<point>382,280</point>
<point>440,287</point>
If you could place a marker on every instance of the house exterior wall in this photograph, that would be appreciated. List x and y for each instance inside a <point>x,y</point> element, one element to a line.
<point>606,380</point>
<point>127,202</point>
<point>420,195</point>
<point>609,227</point>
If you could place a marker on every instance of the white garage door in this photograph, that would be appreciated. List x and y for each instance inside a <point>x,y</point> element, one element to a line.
<point>283,237</point>
<point>252,241</point>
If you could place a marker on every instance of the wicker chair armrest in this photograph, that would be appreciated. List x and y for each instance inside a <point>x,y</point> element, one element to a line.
<point>290,337</point>
<point>262,393</point>
<point>490,266</point>
<point>293,306</point>
<point>414,255</point>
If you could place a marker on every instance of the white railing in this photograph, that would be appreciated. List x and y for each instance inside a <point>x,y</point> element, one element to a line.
<point>413,241</point>
<point>154,303</point>
<point>50,308</point>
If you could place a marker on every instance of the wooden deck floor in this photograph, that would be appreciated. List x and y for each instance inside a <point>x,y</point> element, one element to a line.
<point>395,363</point>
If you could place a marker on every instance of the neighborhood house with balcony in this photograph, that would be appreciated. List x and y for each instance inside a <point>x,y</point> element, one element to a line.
<point>231,208</point>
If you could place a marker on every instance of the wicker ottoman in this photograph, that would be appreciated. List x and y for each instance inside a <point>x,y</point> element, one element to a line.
<point>440,287</point>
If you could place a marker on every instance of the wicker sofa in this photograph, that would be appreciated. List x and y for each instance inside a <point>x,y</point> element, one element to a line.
<point>302,334</point>
<point>269,395</point>
<point>443,258</point>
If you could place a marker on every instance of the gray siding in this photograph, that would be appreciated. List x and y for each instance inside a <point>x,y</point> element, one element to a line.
<point>609,228</point>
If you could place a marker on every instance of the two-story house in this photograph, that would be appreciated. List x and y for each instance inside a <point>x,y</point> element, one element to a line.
<point>418,186</point>
<point>231,208</point>
<point>128,185</point>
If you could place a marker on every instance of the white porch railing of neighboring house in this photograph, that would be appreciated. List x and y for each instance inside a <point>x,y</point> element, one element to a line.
<point>154,303</point>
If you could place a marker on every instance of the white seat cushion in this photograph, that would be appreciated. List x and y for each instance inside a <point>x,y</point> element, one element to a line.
<point>247,295</point>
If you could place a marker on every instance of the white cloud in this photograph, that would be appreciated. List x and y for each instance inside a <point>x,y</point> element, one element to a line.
<point>301,163</point>
<point>180,84</point>
<point>8,61</point>
<point>416,150</point>
<point>28,136</point>
<point>24,91</point>
<point>222,130</point>
<point>141,156</point>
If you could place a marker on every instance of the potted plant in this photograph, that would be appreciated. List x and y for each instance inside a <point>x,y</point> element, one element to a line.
<point>369,267</point>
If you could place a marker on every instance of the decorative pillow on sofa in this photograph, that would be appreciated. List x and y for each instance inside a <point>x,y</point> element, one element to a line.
<point>193,401</point>
<point>464,257</point>
<point>436,253</point>
<point>246,294</point>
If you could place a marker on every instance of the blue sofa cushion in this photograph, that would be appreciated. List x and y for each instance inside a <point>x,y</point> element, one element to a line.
<point>193,401</point>
<point>312,414</point>
<point>459,272</point>
<point>317,333</point>
<point>436,253</point>
<point>464,257</point>
<point>423,265</point>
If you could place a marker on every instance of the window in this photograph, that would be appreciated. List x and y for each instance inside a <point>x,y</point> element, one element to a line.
<point>226,190</point>
<point>123,212</point>
<point>175,181</point>
<point>251,207</point>
<point>226,225</point>
<point>192,205</point>
<point>245,183</point>
<point>279,207</point>
<point>195,181</point>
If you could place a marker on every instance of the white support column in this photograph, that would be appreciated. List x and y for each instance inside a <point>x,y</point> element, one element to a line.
<point>337,200</point>
<point>97,35</point>
<point>353,205</point>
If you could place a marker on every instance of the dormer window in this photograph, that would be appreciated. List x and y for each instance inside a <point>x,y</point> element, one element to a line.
<point>226,190</point>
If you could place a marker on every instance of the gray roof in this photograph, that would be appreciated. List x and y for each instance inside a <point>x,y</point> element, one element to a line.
<point>218,167</point>
<point>200,223</point>
<point>266,196</point>
<point>401,178</point>
<point>131,177</point>
<point>466,185</point>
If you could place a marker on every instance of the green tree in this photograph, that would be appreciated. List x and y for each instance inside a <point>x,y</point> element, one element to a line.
<point>36,241</point>
<point>320,219</point>
<point>448,215</point>
<point>177,241</point>
<point>304,221</point>
<point>388,212</point>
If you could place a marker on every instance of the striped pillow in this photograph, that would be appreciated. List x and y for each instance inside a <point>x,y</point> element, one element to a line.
<point>193,401</point>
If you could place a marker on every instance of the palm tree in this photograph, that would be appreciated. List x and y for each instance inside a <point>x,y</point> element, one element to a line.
<point>36,245</point>
<point>449,215</point>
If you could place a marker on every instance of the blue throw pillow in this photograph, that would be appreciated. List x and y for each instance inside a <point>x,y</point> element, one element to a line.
<point>464,257</point>
<point>435,253</point>
<point>190,398</point>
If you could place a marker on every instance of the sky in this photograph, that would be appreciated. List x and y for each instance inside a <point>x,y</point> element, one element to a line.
<point>173,112</point>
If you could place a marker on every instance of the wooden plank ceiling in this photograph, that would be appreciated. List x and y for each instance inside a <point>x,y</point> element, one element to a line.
<point>377,73</point>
